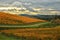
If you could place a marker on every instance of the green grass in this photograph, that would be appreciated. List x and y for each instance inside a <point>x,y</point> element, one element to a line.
<point>12,37</point>
<point>33,25</point>
<point>3,37</point>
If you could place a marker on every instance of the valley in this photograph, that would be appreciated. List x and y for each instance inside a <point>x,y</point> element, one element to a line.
<point>14,27</point>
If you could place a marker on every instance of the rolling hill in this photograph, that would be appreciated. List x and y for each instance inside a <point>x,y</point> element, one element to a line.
<point>6,18</point>
<point>43,17</point>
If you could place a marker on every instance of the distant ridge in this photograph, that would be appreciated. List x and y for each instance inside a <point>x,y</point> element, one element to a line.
<point>6,18</point>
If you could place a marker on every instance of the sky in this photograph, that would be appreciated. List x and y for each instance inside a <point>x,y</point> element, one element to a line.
<point>55,4</point>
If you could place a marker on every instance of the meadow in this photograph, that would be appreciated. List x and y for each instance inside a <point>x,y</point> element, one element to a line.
<point>30,34</point>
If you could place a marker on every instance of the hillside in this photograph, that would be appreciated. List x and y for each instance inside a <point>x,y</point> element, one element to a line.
<point>43,17</point>
<point>6,18</point>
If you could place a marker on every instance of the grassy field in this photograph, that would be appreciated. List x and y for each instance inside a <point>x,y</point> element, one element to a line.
<point>30,34</point>
<point>12,37</point>
<point>33,31</point>
<point>32,25</point>
<point>4,37</point>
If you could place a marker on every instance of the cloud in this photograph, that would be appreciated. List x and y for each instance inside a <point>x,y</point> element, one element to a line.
<point>34,3</point>
<point>27,3</point>
<point>16,3</point>
<point>30,0</point>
